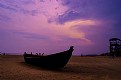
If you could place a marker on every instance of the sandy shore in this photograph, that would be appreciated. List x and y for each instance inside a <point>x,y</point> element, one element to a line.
<point>78,68</point>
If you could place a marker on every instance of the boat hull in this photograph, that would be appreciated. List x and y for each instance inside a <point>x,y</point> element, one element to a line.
<point>57,60</point>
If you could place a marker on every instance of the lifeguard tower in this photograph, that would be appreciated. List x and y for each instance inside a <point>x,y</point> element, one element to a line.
<point>115,47</point>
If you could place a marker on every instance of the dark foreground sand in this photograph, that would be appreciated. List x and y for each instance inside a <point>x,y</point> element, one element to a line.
<point>78,68</point>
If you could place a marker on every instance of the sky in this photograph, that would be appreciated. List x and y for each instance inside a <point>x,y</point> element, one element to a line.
<point>52,26</point>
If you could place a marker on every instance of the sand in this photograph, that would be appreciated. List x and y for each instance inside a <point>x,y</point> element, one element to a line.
<point>78,68</point>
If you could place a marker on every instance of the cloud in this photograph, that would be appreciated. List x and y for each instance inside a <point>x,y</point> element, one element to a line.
<point>48,8</point>
<point>37,27</point>
<point>47,23</point>
<point>7,7</point>
<point>31,35</point>
<point>86,9</point>
<point>69,30</point>
<point>4,18</point>
<point>19,6</point>
<point>106,14</point>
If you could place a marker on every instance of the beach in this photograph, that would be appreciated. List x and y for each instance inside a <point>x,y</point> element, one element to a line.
<point>13,67</point>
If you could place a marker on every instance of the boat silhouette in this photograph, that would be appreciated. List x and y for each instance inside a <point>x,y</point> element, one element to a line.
<point>57,60</point>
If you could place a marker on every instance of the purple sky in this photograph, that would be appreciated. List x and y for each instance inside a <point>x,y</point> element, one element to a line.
<point>51,26</point>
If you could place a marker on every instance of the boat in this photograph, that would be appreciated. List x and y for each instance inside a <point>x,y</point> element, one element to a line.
<point>57,60</point>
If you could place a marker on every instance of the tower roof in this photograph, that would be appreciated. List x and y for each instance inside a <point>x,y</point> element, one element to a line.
<point>114,39</point>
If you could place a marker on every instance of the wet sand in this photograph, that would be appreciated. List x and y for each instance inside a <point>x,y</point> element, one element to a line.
<point>78,68</point>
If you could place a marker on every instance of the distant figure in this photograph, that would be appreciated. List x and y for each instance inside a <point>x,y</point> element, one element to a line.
<point>25,53</point>
<point>31,53</point>
<point>36,53</point>
<point>3,53</point>
<point>71,48</point>
<point>42,54</point>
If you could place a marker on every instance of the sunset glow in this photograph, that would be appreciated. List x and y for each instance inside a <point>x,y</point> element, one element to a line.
<point>51,25</point>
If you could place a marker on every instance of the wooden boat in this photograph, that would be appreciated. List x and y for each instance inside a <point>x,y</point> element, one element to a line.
<point>57,60</point>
